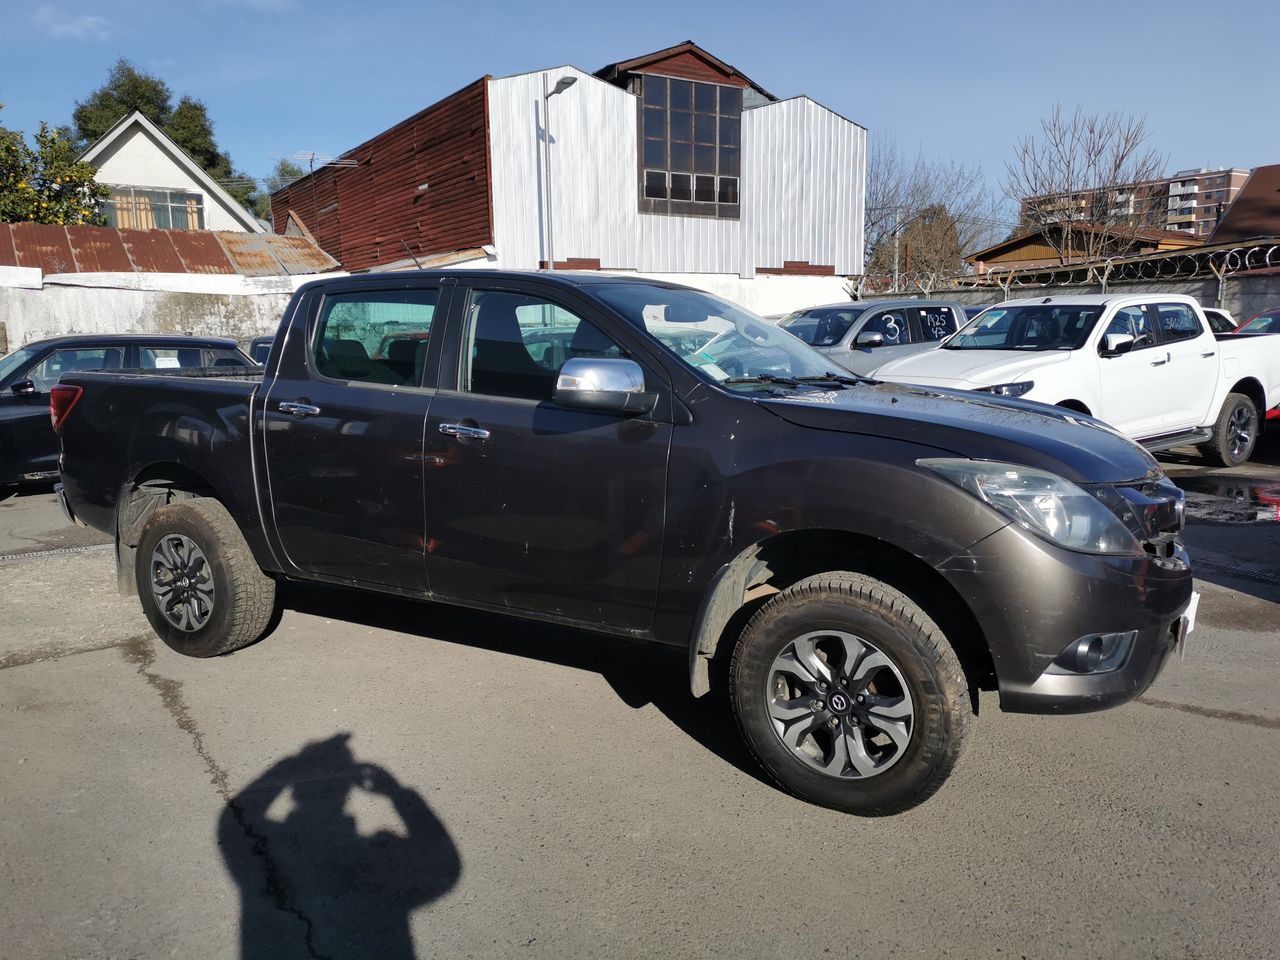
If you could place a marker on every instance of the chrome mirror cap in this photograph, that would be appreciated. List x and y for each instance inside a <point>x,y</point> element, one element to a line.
<point>603,383</point>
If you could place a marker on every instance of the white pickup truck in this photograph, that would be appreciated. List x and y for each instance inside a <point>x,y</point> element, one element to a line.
<point>1148,364</point>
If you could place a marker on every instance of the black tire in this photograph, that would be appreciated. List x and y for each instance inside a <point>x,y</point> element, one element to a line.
<point>892,624</point>
<point>242,597</point>
<point>1228,448</point>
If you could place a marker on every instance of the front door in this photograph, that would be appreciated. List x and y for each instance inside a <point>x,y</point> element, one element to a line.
<point>1135,385</point>
<point>343,425</point>
<point>531,506</point>
<point>893,326</point>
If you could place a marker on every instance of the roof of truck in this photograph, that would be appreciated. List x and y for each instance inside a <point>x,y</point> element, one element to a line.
<point>562,278</point>
<point>145,339</point>
<point>1098,299</point>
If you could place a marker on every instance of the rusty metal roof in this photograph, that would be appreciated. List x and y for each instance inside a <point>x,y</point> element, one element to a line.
<point>59,249</point>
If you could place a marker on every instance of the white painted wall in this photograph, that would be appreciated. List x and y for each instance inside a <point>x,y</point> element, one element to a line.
<point>802,185</point>
<point>137,159</point>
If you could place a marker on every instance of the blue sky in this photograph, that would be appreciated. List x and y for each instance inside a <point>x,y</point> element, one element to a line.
<point>955,79</point>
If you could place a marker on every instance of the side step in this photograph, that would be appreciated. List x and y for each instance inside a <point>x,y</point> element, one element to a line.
<point>1189,439</point>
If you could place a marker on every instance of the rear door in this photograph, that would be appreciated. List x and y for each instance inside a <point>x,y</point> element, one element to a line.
<point>1193,365</point>
<point>531,506</point>
<point>343,432</point>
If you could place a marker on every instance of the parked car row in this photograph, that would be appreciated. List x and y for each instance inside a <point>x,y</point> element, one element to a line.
<point>1160,369</point>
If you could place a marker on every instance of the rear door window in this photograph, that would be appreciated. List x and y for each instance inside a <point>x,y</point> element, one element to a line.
<point>1177,322</point>
<point>375,336</point>
<point>74,360</point>
<point>935,322</point>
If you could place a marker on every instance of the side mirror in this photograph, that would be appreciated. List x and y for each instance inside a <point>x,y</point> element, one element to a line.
<point>869,339</point>
<point>1115,344</point>
<point>603,384</point>
<point>23,388</point>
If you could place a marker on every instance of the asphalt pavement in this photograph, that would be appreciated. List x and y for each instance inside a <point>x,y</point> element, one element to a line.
<point>388,779</point>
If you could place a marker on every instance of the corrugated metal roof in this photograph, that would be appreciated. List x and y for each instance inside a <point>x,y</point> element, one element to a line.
<point>58,249</point>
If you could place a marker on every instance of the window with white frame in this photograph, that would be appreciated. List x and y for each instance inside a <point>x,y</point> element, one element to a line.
<point>690,147</point>
<point>154,208</point>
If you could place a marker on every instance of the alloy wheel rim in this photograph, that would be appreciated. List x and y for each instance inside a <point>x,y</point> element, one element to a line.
<point>1239,431</point>
<point>182,582</point>
<point>840,705</point>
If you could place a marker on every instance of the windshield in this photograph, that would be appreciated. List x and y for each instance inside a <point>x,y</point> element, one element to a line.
<point>14,362</point>
<point>720,341</point>
<point>821,328</point>
<point>1268,322</point>
<point>1040,326</point>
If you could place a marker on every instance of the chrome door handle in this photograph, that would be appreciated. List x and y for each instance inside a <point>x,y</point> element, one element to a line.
<point>466,433</point>
<point>298,409</point>
<point>1160,363</point>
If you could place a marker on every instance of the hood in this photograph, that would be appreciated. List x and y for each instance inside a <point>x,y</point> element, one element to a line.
<point>969,368</point>
<point>974,425</point>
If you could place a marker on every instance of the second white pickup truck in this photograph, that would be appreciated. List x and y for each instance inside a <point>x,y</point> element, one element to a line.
<point>1148,364</point>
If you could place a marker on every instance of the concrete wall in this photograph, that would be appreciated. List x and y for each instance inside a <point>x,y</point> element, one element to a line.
<point>33,307</point>
<point>1242,297</point>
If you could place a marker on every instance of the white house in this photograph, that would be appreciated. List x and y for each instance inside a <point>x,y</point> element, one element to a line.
<point>673,164</point>
<point>155,185</point>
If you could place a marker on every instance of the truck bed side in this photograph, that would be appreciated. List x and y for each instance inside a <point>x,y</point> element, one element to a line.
<point>1245,357</point>
<point>131,439</point>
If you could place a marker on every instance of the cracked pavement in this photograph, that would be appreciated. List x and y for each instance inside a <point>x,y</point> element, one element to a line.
<point>379,778</point>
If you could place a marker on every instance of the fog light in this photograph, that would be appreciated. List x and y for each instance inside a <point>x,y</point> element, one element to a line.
<point>1094,653</point>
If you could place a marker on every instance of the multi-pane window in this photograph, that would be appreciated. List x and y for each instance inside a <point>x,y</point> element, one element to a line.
<point>690,146</point>
<point>144,208</point>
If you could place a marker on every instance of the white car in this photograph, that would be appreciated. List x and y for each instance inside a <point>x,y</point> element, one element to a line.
<point>1148,364</point>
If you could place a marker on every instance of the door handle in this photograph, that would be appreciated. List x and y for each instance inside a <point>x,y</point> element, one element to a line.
<point>298,409</point>
<point>1160,363</point>
<point>1209,354</point>
<point>466,433</point>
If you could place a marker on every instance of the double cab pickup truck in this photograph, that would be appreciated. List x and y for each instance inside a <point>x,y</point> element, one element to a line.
<point>1148,364</point>
<point>850,561</point>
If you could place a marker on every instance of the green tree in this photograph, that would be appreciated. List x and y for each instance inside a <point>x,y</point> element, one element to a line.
<point>285,173</point>
<point>188,124</point>
<point>46,184</point>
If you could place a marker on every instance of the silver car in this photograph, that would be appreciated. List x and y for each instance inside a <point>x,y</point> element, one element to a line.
<point>868,334</point>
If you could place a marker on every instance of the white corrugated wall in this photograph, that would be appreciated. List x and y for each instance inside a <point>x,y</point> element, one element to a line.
<point>802,186</point>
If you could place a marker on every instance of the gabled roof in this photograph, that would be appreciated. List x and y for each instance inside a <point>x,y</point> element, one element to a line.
<point>1173,238</point>
<point>1255,212</point>
<point>637,64</point>
<point>179,157</point>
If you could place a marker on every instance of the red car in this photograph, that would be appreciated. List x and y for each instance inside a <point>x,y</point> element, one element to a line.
<point>1268,321</point>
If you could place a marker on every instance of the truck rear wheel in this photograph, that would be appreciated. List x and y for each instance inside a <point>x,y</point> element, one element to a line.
<point>849,695</point>
<point>1234,434</point>
<point>199,584</point>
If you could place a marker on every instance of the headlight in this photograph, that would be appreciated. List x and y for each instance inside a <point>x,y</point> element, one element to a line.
<point>1008,389</point>
<point>1044,503</point>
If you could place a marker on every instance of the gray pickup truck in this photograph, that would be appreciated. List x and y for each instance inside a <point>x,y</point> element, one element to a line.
<point>865,335</point>
<point>647,461</point>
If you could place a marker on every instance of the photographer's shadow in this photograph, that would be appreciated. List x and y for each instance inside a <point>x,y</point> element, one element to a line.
<point>310,883</point>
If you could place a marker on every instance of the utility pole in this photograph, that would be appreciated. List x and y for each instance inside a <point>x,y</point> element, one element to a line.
<point>563,84</point>
<point>897,232</point>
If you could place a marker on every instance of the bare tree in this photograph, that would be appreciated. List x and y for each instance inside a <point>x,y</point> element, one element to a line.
<point>1087,182</point>
<point>922,216</point>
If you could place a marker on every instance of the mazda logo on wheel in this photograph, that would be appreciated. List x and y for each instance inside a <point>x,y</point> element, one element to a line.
<point>839,701</point>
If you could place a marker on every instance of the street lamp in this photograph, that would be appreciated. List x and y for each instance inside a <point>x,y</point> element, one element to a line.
<point>563,84</point>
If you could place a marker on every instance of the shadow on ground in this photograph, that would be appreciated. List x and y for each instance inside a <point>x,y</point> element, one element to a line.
<point>311,883</point>
<point>640,673</point>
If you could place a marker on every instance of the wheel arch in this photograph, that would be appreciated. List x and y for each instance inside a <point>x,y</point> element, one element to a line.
<point>769,566</point>
<point>1078,406</point>
<point>1252,388</point>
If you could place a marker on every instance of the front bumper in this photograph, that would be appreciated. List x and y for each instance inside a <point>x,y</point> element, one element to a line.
<point>1033,599</point>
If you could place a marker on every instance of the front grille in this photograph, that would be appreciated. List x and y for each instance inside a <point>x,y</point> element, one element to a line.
<point>1152,510</point>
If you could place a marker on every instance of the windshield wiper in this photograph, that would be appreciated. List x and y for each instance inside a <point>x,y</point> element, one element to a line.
<point>851,380</point>
<point>764,378</point>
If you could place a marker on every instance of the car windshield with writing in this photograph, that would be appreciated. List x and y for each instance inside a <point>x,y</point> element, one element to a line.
<point>1041,326</point>
<point>738,350</point>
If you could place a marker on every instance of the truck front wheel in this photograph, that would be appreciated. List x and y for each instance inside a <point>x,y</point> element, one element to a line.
<point>1234,434</point>
<point>849,695</point>
<point>198,582</point>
